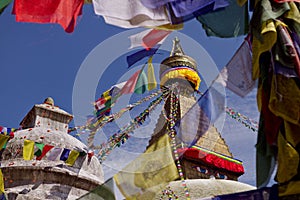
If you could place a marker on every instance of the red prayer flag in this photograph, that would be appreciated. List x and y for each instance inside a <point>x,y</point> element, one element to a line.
<point>63,12</point>
<point>154,37</point>
<point>46,148</point>
<point>129,87</point>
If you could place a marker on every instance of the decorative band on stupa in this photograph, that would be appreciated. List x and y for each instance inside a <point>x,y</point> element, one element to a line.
<point>179,66</point>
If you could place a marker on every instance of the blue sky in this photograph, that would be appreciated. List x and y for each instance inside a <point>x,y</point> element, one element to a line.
<point>41,60</point>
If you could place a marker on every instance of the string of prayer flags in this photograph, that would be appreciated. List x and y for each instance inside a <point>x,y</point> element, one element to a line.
<point>106,119</point>
<point>108,95</point>
<point>123,134</point>
<point>54,153</point>
<point>246,121</point>
<point>152,83</point>
<point>63,12</point>
<point>28,150</point>
<point>134,58</point>
<point>6,131</point>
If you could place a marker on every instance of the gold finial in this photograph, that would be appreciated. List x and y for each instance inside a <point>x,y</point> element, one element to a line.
<point>49,101</point>
<point>177,49</point>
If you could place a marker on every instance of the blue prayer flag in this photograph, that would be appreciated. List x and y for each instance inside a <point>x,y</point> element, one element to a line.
<point>133,58</point>
<point>65,154</point>
<point>183,10</point>
<point>200,116</point>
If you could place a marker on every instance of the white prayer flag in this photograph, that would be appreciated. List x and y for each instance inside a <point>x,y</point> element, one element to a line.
<point>129,13</point>
<point>237,74</point>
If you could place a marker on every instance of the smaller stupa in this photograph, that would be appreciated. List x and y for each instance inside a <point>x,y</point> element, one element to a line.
<point>46,176</point>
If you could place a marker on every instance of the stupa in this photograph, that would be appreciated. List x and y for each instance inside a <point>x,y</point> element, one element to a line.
<point>208,166</point>
<point>43,175</point>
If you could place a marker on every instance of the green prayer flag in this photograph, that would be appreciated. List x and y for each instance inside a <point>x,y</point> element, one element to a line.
<point>141,83</point>
<point>40,147</point>
<point>4,4</point>
<point>232,21</point>
<point>102,192</point>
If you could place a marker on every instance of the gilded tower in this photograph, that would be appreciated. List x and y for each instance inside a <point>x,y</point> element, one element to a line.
<point>210,156</point>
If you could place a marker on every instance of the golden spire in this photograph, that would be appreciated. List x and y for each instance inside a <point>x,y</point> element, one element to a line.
<point>177,49</point>
<point>179,66</point>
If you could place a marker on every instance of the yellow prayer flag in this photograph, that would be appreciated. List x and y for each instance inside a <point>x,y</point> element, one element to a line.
<point>241,2</point>
<point>168,27</point>
<point>152,84</point>
<point>106,94</point>
<point>72,157</point>
<point>147,175</point>
<point>1,182</point>
<point>3,140</point>
<point>268,37</point>
<point>28,150</point>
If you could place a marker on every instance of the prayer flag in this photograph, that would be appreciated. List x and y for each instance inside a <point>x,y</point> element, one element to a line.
<point>130,84</point>
<point>108,95</point>
<point>40,147</point>
<point>170,27</point>
<point>46,149</point>
<point>54,153</point>
<point>129,14</point>
<point>63,12</point>
<point>184,10</point>
<point>72,157</point>
<point>4,130</point>
<point>201,115</point>
<point>232,21</point>
<point>3,140</point>
<point>237,74</point>
<point>141,83</point>
<point>154,37</point>
<point>1,182</point>
<point>189,9</point>
<point>28,150</point>
<point>148,38</point>
<point>4,4</point>
<point>148,174</point>
<point>133,58</point>
<point>65,154</point>
<point>101,192</point>
<point>152,84</point>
